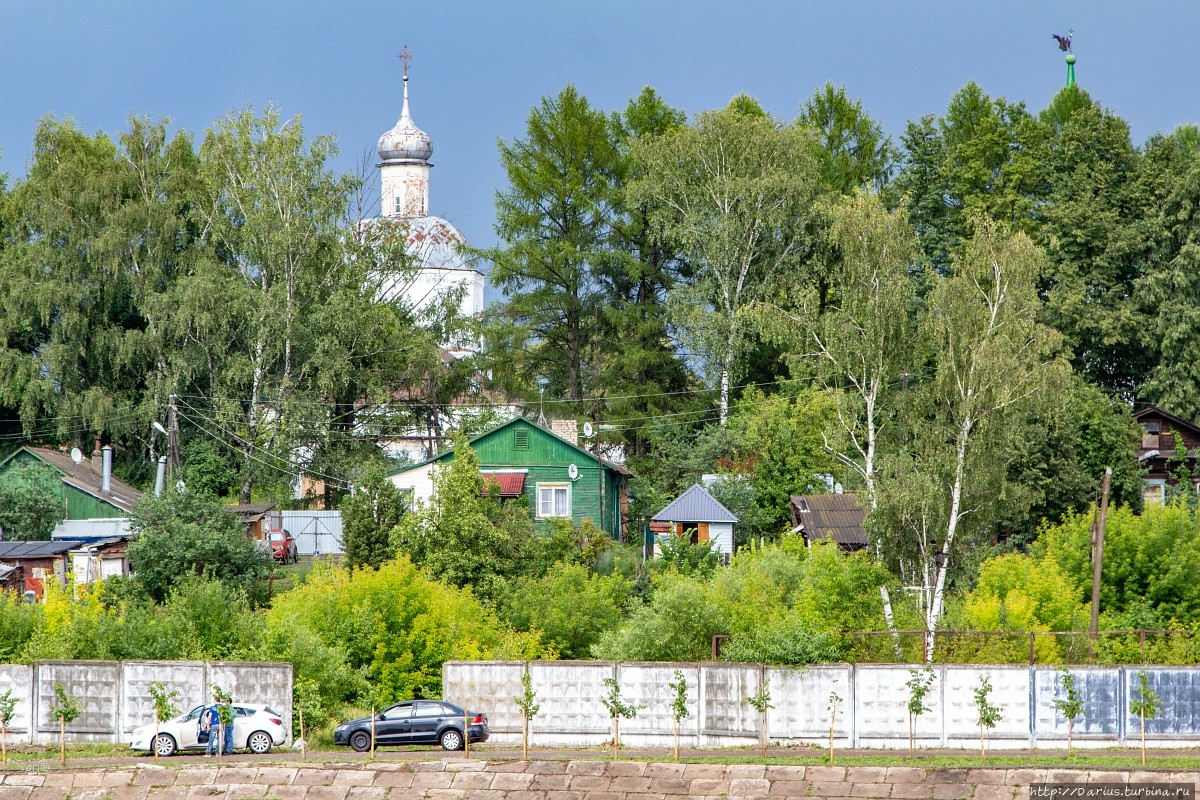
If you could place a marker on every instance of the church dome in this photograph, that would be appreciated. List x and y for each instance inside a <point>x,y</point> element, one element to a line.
<point>435,243</point>
<point>405,141</point>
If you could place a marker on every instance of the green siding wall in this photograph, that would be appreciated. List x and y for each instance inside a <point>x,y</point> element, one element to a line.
<point>79,504</point>
<point>522,444</point>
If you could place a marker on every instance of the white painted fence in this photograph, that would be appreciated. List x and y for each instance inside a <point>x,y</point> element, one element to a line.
<point>872,713</point>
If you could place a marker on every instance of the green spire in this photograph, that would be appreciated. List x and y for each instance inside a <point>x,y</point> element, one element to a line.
<point>1070,69</point>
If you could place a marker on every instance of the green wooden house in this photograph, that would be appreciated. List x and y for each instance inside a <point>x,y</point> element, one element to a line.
<point>556,476</point>
<point>86,486</point>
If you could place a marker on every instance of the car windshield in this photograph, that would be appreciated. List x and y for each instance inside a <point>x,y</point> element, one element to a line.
<point>276,536</point>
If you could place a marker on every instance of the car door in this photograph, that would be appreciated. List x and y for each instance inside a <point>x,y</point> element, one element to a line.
<point>427,721</point>
<point>242,723</point>
<point>186,729</point>
<point>394,724</point>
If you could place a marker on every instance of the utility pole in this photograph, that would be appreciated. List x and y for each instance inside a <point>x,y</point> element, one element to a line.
<point>1098,558</point>
<point>173,464</point>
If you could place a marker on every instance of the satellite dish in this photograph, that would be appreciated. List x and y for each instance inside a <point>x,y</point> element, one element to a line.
<point>76,455</point>
<point>572,471</point>
<point>587,429</point>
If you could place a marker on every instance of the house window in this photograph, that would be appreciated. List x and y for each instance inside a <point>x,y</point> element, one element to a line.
<point>1152,492</point>
<point>1150,436</point>
<point>399,204</point>
<point>554,500</point>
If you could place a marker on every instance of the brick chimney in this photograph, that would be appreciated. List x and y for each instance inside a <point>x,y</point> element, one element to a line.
<point>567,429</point>
<point>97,459</point>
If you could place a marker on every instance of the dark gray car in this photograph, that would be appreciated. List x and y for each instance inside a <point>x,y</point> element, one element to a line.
<point>415,722</point>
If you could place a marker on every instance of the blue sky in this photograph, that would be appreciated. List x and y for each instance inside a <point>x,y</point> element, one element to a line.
<point>479,67</point>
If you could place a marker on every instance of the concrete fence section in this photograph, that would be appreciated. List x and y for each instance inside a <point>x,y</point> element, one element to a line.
<point>455,779</point>
<point>872,710</point>
<point>114,696</point>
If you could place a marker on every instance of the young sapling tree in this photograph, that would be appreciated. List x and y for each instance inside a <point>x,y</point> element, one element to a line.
<point>529,709</point>
<point>918,686</point>
<point>1070,705</point>
<point>762,702</point>
<point>989,714</point>
<point>66,710</point>
<point>224,716</point>
<point>8,710</point>
<point>617,709</point>
<point>679,709</point>
<point>1146,706</point>
<point>164,708</point>
<point>835,702</point>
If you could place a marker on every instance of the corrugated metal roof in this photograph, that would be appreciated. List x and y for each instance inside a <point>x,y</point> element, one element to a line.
<point>512,484</point>
<point>105,528</point>
<point>831,516</point>
<point>695,505</point>
<point>251,512</point>
<point>12,550</point>
<point>85,479</point>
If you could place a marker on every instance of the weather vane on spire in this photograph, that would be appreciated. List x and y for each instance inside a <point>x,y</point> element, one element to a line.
<point>405,58</point>
<point>1064,45</point>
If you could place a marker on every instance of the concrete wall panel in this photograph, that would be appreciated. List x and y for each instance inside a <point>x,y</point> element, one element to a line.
<point>268,683</point>
<point>1178,693</point>
<point>881,707</point>
<point>724,711</point>
<point>18,679</point>
<point>569,693</point>
<point>1010,693</point>
<point>186,678</point>
<point>801,699</point>
<point>490,687</point>
<point>94,685</point>
<point>1100,690</point>
<point>647,686</point>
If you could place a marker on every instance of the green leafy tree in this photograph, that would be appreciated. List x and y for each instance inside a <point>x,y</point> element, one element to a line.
<point>368,517</point>
<point>462,536</point>
<point>164,708</point>
<point>527,705</point>
<point>988,714</point>
<point>570,606</point>
<point>225,715</point>
<point>66,710</point>
<point>859,333</point>
<point>835,701</point>
<point>189,533</point>
<point>734,192</point>
<point>853,150</point>
<point>8,710</point>
<point>642,377</point>
<point>30,502</point>
<point>1070,705</point>
<point>919,684</point>
<point>617,708</point>
<point>679,705</point>
<point>1146,706</point>
<point>993,356</point>
<point>761,701</point>
<point>554,221</point>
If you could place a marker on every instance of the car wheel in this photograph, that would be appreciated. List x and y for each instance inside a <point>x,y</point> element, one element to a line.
<point>164,745</point>
<point>360,741</point>
<point>259,743</point>
<point>451,739</point>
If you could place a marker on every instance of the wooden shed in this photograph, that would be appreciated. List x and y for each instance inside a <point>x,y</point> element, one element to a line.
<point>699,516</point>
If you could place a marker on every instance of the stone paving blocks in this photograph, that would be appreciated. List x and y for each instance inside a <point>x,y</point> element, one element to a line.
<point>911,791</point>
<point>866,774</point>
<point>354,777</point>
<point>991,791</point>
<point>749,786</point>
<point>951,791</point>
<point>432,780</point>
<point>50,793</point>
<point>358,793</point>
<point>709,771</point>
<point>484,794</point>
<point>327,792</point>
<point>471,780</point>
<point>154,777</point>
<point>586,783</point>
<point>624,769</point>
<point>657,770</point>
<point>245,791</point>
<point>285,792</point>
<point>551,782</point>
<point>314,777</point>
<point>870,789</point>
<point>830,788</point>
<point>708,786</point>
<point>825,774</point>
<point>24,778</point>
<point>585,767</point>
<point>275,776</point>
<point>905,775</point>
<point>745,771</point>
<point>394,780</point>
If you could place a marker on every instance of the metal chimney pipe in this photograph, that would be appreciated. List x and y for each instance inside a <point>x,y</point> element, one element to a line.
<point>106,475</point>
<point>160,475</point>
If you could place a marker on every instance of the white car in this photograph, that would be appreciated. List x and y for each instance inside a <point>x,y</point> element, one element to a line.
<point>256,728</point>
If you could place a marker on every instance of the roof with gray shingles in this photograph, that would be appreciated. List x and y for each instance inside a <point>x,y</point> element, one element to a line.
<point>831,516</point>
<point>104,528</point>
<point>15,550</point>
<point>695,505</point>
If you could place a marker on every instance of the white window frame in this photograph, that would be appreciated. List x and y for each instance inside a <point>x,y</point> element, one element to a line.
<point>1154,491</point>
<point>552,487</point>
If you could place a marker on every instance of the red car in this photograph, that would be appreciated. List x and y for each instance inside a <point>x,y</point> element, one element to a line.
<point>283,547</point>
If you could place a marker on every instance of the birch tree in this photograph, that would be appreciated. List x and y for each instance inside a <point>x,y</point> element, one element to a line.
<point>991,356</point>
<point>733,191</point>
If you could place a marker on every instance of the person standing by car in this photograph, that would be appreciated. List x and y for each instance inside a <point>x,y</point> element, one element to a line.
<point>210,723</point>
<point>227,713</point>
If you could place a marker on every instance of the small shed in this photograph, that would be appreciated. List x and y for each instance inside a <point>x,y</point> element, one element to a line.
<point>835,517</point>
<point>41,561</point>
<point>12,578</point>
<point>259,518</point>
<point>701,517</point>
